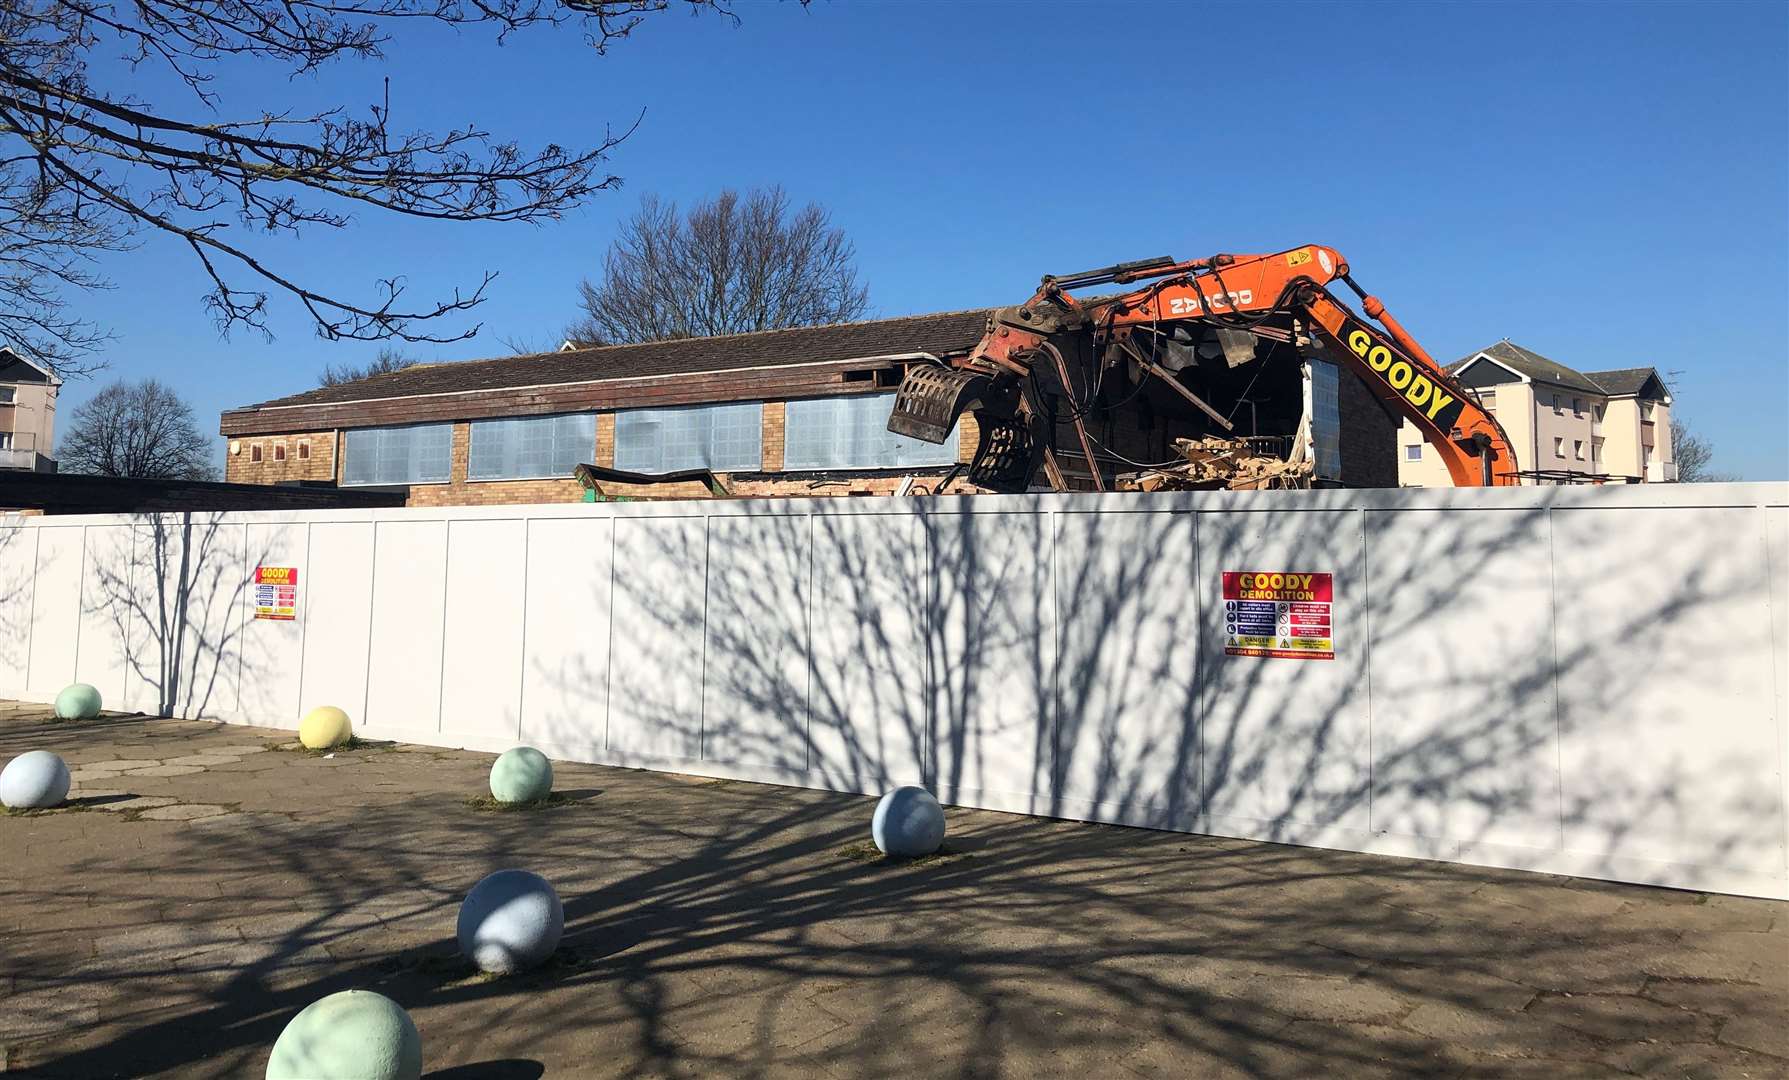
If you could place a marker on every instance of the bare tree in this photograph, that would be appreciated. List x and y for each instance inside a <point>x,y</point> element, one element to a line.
<point>388,361</point>
<point>731,265</point>
<point>1695,456</point>
<point>140,429</point>
<point>86,162</point>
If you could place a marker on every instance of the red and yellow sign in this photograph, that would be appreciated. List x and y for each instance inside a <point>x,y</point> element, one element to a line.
<point>276,592</point>
<point>1281,614</point>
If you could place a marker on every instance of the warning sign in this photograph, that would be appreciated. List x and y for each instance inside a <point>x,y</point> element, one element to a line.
<point>1279,614</point>
<point>276,592</point>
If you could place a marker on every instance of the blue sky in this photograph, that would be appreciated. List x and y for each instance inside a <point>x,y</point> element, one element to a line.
<point>1607,184</point>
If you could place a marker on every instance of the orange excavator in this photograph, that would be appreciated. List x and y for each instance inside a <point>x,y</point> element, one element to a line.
<point>1056,360</point>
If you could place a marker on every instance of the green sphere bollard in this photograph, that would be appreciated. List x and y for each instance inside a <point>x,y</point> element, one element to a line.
<point>77,702</point>
<point>521,775</point>
<point>353,1035</point>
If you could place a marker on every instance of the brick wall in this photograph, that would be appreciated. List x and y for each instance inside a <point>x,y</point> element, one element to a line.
<point>775,426</point>
<point>298,456</point>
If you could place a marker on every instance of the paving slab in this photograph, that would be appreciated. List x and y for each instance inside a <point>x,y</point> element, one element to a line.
<point>731,929</point>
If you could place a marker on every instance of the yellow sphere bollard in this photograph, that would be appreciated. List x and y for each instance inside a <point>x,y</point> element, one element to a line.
<point>324,727</point>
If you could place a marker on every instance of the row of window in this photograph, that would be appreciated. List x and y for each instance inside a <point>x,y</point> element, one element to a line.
<point>279,452</point>
<point>1596,449</point>
<point>1577,407</point>
<point>821,433</point>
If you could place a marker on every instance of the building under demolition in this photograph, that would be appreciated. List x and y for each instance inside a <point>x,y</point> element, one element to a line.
<point>798,412</point>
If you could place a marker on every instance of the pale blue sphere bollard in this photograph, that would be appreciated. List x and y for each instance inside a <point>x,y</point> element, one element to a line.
<point>908,822</point>
<point>509,922</point>
<point>353,1035</point>
<point>34,780</point>
<point>77,702</point>
<point>521,775</point>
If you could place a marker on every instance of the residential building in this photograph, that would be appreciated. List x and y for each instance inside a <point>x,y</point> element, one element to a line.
<point>1565,426</point>
<point>27,413</point>
<point>792,412</point>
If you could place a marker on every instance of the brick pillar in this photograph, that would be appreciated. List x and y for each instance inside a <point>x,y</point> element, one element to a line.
<point>462,447</point>
<point>605,441</point>
<point>775,415</point>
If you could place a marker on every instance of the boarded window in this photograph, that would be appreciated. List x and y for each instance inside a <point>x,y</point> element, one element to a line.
<point>416,454</point>
<point>254,452</point>
<point>279,451</point>
<point>531,447</point>
<point>1326,420</point>
<point>304,451</point>
<point>722,438</point>
<point>852,433</point>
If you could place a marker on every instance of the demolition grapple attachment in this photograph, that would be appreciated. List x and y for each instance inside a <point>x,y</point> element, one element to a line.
<point>931,398</point>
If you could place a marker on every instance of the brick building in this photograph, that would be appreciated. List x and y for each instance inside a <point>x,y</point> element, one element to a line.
<point>777,413</point>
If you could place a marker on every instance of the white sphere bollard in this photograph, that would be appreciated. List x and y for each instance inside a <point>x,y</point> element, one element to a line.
<point>509,922</point>
<point>353,1035</point>
<point>908,822</point>
<point>34,780</point>
<point>521,775</point>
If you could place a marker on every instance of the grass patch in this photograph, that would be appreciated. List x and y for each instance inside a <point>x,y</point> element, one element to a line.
<point>353,744</point>
<point>490,805</point>
<point>866,851</point>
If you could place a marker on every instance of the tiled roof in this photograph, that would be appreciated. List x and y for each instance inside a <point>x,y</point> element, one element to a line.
<point>1623,382</point>
<point>1533,365</point>
<point>940,333</point>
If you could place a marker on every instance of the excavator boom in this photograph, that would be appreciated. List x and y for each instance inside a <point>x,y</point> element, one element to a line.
<point>1230,300</point>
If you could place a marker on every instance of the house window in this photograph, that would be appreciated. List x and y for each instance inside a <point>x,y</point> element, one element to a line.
<point>1599,413</point>
<point>721,438</point>
<point>852,433</point>
<point>1558,406</point>
<point>254,452</point>
<point>1559,448</point>
<point>1596,449</point>
<point>1577,406</point>
<point>7,394</point>
<point>1413,452</point>
<point>530,447</point>
<point>1646,454</point>
<point>304,451</point>
<point>1578,449</point>
<point>279,451</point>
<point>5,440</point>
<point>414,454</point>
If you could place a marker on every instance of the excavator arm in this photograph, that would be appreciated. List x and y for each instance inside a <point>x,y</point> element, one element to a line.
<point>1229,300</point>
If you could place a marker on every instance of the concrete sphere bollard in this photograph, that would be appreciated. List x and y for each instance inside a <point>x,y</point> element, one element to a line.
<point>34,780</point>
<point>908,822</point>
<point>521,775</point>
<point>323,727</point>
<point>353,1035</point>
<point>510,921</point>
<point>77,702</point>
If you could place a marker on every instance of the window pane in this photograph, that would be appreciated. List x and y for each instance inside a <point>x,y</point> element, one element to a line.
<point>534,446</point>
<point>852,433</point>
<point>722,438</point>
<point>1326,420</point>
<point>416,454</point>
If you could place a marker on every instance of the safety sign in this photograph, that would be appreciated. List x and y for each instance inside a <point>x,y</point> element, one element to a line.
<point>276,592</point>
<point>1279,614</point>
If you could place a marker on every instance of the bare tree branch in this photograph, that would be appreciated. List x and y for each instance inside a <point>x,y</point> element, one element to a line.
<point>138,429</point>
<point>84,166</point>
<point>731,265</point>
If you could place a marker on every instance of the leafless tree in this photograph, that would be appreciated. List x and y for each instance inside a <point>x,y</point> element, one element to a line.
<point>1695,456</point>
<point>140,429</point>
<point>86,162</point>
<point>734,264</point>
<point>388,360</point>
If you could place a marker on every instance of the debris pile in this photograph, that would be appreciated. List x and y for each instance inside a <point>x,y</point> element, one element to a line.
<point>1214,463</point>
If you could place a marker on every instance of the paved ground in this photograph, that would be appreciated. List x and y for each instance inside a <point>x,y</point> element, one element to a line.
<point>208,884</point>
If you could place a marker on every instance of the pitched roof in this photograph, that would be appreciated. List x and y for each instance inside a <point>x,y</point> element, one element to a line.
<point>940,333</point>
<point>1531,364</point>
<point>1624,382</point>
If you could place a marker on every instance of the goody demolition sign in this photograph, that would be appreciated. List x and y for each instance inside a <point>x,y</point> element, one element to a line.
<point>1279,614</point>
<point>276,592</point>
